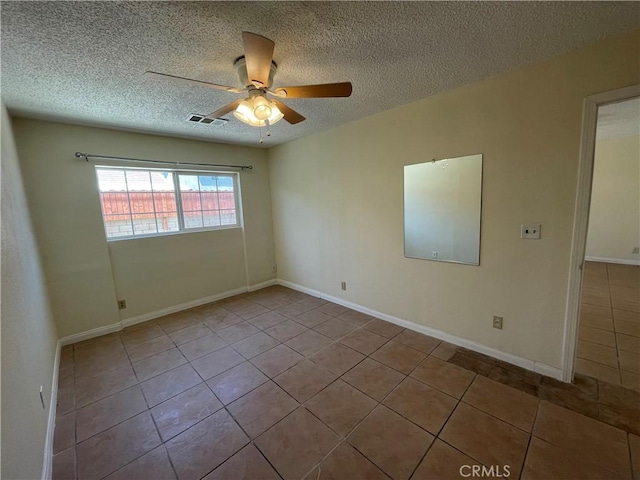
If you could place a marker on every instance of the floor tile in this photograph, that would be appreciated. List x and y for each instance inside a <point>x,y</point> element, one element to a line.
<point>159,363</point>
<point>597,335</point>
<point>309,342</point>
<point>391,442</point>
<point>66,401</point>
<point>602,443</point>
<point>64,465</point>
<point>304,380</point>
<point>140,335</point>
<point>356,319</point>
<point>628,343</point>
<point>221,319</point>
<point>364,341</point>
<point>153,465</point>
<point>579,397</point>
<point>65,432</point>
<point>425,406</point>
<point>91,389</point>
<point>443,462</point>
<point>545,461</point>
<point>296,444</point>
<point>267,320</point>
<point>598,353</point>
<point>345,462</point>
<point>595,296</point>
<point>292,310</point>
<point>109,411</point>
<point>178,321</point>
<point>97,363</point>
<point>217,362</point>
<point>485,438</point>
<point>595,268</point>
<point>275,361</point>
<point>337,358</point>
<point>201,346</point>
<point>237,381</point>
<point>184,410</point>
<point>627,328</point>
<point>516,377</point>
<point>169,384</point>
<point>237,332</point>
<point>444,351</point>
<point>312,318</point>
<point>626,316</point>
<point>417,341</point>
<point>474,364</point>
<point>398,356</point>
<point>286,330</point>
<point>340,406</point>
<point>190,333</point>
<point>255,345</point>
<point>332,309</point>
<point>383,328</point>
<point>598,370</point>
<point>250,311</point>
<point>506,403</point>
<point>247,464</point>
<point>334,328</point>
<point>444,376</point>
<point>634,447</point>
<point>373,378</point>
<point>112,449</point>
<point>630,380</point>
<point>148,348</point>
<point>261,408</point>
<point>203,447</point>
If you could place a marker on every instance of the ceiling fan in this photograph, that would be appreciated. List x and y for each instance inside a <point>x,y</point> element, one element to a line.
<point>256,70</point>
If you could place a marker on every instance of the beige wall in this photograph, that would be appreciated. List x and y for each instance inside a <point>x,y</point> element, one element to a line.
<point>86,274</point>
<point>614,217</point>
<point>337,201</point>
<point>29,338</point>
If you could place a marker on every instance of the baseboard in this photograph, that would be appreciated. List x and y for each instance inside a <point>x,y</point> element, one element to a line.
<point>532,365</point>
<point>127,322</point>
<point>89,334</point>
<point>612,260</point>
<point>47,463</point>
<point>259,286</point>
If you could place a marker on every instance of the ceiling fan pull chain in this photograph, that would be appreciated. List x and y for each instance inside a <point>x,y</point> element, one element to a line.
<point>261,139</point>
<point>268,132</point>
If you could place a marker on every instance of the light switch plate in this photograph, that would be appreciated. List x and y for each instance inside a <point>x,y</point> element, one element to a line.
<point>530,230</point>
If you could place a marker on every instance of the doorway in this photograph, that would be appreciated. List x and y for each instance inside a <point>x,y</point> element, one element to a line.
<point>602,275</point>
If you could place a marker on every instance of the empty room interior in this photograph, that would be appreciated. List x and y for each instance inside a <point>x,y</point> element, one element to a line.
<point>320,240</point>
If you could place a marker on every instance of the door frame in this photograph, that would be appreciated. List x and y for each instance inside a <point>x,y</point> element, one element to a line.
<point>581,218</point>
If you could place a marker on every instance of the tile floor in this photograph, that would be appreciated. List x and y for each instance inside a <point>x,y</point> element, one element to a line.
<point>278,384</point>
<point>609,334</point>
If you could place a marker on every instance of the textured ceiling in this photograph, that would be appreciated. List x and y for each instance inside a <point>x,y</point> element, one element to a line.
<point>83,62</point>
<point>621,119</point>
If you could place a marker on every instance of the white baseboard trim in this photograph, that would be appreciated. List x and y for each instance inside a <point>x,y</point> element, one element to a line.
<point>89,334</point>
<point>127,322</point>
<point>260,286</point>
<point>461,342</point>
<point>621,261</point>
<point>47,463</point>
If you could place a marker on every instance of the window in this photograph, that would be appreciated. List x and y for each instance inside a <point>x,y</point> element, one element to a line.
<point>137,202</point>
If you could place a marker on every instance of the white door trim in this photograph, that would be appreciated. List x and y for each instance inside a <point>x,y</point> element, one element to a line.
<point>581,218</point>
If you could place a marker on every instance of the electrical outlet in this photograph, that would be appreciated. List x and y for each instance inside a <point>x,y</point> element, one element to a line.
<point>343,285</point>
<point>530,231</point>
<point>434,254</point>
<point>122,304</point>
<point>274,269</point>
<point>636,250</point>
<point>497,322</point>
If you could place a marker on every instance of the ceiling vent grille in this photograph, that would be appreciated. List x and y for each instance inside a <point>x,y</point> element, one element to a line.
<point>213,122</point>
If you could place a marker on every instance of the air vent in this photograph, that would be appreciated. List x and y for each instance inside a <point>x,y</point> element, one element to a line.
<point>214,122</point>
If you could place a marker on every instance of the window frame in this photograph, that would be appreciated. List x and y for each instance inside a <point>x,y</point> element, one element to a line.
<point>175,173</point>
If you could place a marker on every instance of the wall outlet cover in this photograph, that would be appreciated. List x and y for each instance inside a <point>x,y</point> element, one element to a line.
<point>497,322</point>
<point>530,231</point>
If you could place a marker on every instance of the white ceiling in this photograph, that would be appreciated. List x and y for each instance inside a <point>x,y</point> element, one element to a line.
<point>83,62</point>
<point>621,119</point>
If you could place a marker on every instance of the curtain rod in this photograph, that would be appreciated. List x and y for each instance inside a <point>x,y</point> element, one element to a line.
<point>87,156</point>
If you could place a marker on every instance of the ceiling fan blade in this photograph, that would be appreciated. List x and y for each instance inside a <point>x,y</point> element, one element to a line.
<point>222,111</point>
<point>164,76</point>
<point>342,89</point>
<point>258,53</point>
<point>290,115</point>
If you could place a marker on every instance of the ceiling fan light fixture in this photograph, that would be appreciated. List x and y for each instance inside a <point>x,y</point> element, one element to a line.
<point>257,111</point>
